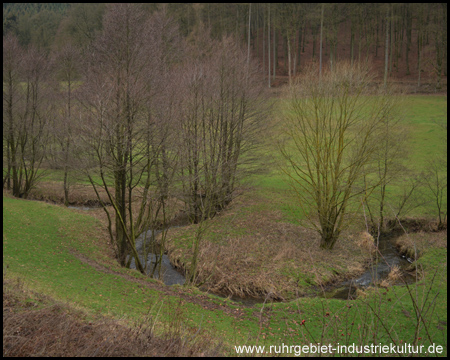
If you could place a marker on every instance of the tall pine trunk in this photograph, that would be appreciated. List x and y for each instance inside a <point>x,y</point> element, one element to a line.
<point>386,50</point>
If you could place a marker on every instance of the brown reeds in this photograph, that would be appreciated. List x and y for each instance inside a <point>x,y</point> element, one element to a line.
<point>258,255</point>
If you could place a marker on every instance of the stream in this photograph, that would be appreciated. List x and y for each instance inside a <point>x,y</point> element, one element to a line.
<point>375,273</point>
<point>169,275</point>
<point>345,290</point>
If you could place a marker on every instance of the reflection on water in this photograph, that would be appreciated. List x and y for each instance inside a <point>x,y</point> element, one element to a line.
<point>170,276</point>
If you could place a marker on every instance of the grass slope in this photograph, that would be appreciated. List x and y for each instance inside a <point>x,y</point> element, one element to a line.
<point>54,250</point>
<point>59,252</point>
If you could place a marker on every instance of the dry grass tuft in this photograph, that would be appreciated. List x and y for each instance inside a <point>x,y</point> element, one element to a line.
<point>355,269</point>
<point>418,243</point>
<point>366,242</point>
<point>361,293</point>
<point>394,275</point>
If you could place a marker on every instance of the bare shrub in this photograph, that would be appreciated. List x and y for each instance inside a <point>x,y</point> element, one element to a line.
<point>27,111</point>
<point>127,121</point>
<point>332,129</point>
<point>223,118</point>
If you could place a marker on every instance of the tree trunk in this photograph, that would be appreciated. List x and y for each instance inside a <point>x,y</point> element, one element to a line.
<point>289,58</point>
<point>419,57</point>
<point>269,55</point>
<point>386,51</point>
<point>249,19</point>
<point>391,44</point>
<point>321,39</point>
<point>275,54</point>
<point>352,42</point>
<point>408,36</point>
<point>299,50</point>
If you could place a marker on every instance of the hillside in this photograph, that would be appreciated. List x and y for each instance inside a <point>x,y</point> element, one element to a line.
<point>58,283</point>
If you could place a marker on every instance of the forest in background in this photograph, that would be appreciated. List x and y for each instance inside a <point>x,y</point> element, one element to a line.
<point>405,42</point>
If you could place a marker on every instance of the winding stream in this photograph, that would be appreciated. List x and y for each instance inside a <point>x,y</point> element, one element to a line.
<point>345,290</point>
<point>375,273</point>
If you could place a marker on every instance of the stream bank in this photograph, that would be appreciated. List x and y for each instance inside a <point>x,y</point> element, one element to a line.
<point>388,258</point>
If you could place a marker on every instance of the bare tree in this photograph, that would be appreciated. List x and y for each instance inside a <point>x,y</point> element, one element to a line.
<point>435,175</point>
<point>332,127</point>
<point>387,165</point>
<point>386,48</point>
<point>121,127</point>
<point>67,61</point>
<point>321,43</point>
<point>223,109</point>
<point>438,29</point>
<point>12,53</point>
<point>223,113</point>
<point>268,43</point>
<point>290,15</point>
<point>27,103</point>
<point>435,180</point>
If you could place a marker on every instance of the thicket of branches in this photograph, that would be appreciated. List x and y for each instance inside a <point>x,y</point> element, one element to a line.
<point>156,115</point>
<point>27,107</point>
<point>336,131</point>
<point>151,120</point>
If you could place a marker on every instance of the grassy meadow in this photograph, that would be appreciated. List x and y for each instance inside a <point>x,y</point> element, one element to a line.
<point>257,247</point>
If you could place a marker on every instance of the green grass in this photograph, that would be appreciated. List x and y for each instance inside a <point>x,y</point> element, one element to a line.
<point>422,116</point>
<point>55,175</point>
<point>424,119</point>
<point>38,246</point>
<point>40,241</point>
